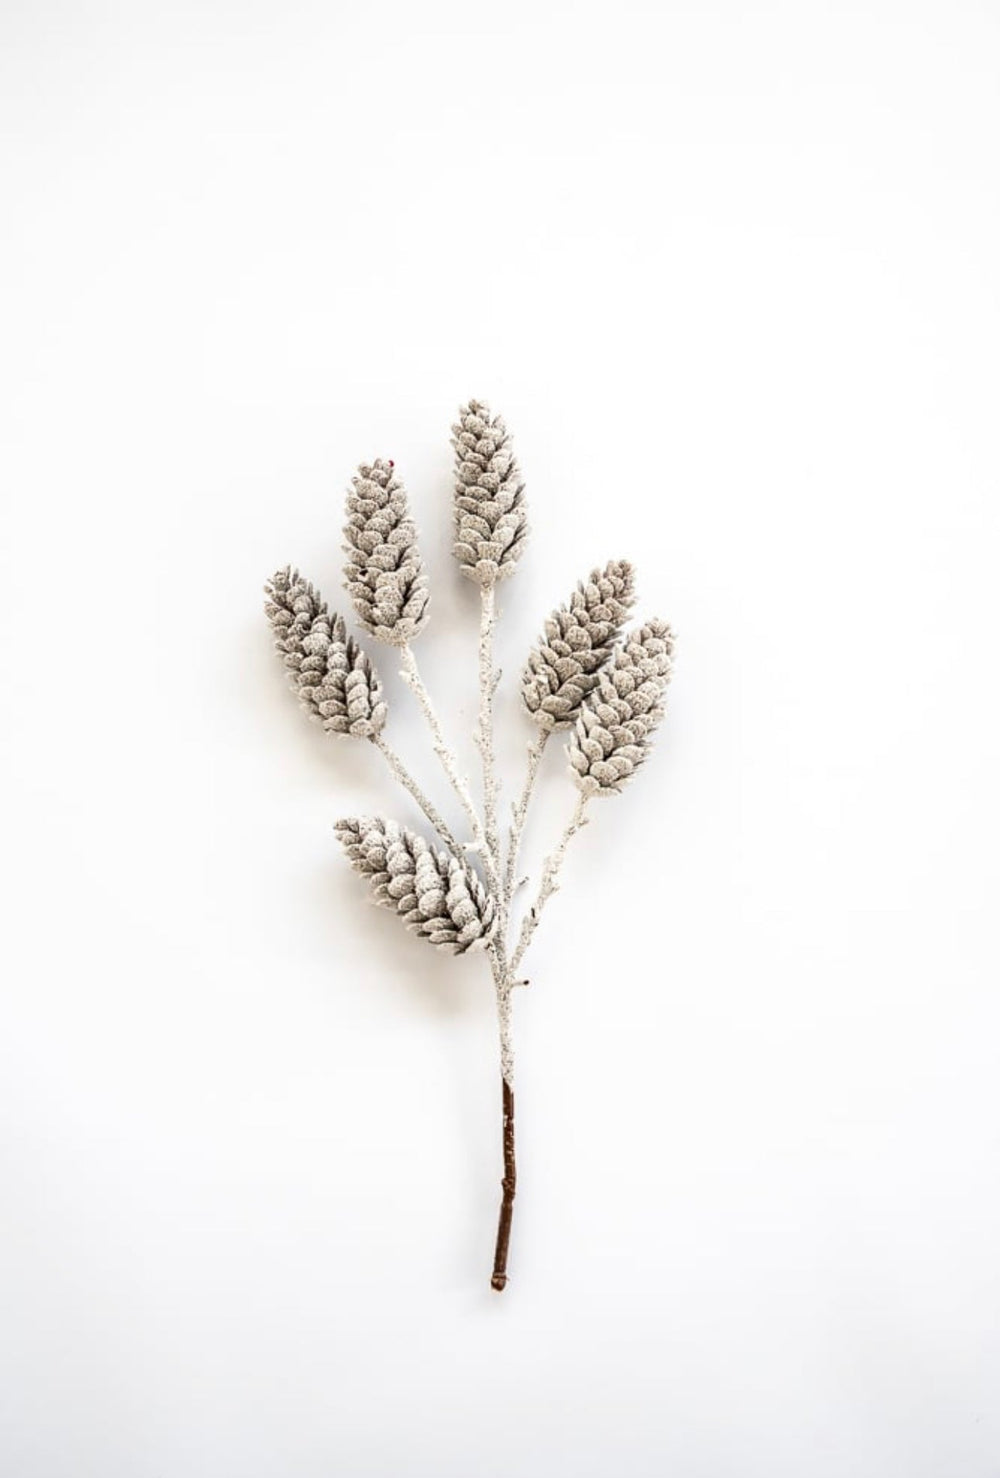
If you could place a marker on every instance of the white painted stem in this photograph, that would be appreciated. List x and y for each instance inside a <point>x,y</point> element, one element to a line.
<point>411,676</point>
<point>487,684</point>
<point>535,751</point>
<point>402,774</point>
<point>506,1025</point>
<point>414,681</point>
<point>549,883</point>
<point>491,856</point>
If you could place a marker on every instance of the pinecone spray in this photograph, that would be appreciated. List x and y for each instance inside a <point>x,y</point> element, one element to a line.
<point>586,676</point>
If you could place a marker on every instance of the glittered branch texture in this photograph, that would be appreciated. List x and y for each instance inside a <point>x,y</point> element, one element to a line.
<point>603,686</point>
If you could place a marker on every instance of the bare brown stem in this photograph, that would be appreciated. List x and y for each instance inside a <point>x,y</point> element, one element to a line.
<point>509,1183</point>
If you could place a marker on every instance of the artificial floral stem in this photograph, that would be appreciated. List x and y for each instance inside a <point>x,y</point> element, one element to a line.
<point>411,676</point>
<point>549,883</point>
<point>402,774</point>
<point>509,1183</point>
<point>535,751</point>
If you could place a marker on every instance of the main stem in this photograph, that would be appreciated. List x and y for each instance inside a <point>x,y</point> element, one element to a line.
<point>499,1278</point>
<point>501,973</point>
<point>487,683</point>
<point>509,1182</point>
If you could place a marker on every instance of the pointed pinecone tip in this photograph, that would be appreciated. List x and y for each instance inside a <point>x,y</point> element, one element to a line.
<point>491,523</point>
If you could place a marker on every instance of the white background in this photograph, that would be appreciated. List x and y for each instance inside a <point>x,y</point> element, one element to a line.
<point>730,272</point>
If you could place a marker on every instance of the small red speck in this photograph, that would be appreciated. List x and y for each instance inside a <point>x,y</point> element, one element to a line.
<point>391,462</point>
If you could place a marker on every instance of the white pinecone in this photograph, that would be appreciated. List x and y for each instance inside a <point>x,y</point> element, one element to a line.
<point>490,516</point>
<point>438,897</point>
<point>577,642</point>
<point>384,574</point>
<point>613,733</point>
<point>292,606</point>
<point>333,678</point>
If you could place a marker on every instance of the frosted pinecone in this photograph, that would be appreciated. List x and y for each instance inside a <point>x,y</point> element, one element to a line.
<point>613,733</point>
<point>292,606</point>
<point>577,642</point>
<point>490,517</point>
<point>438,897</point>
<point>384,574</point>
<point>333,678</point>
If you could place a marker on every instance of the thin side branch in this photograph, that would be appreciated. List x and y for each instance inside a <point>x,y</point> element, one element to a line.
<point>549,883</point>
<point>535,751</point>
<point>411,676</point>
<point>402,774</point>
